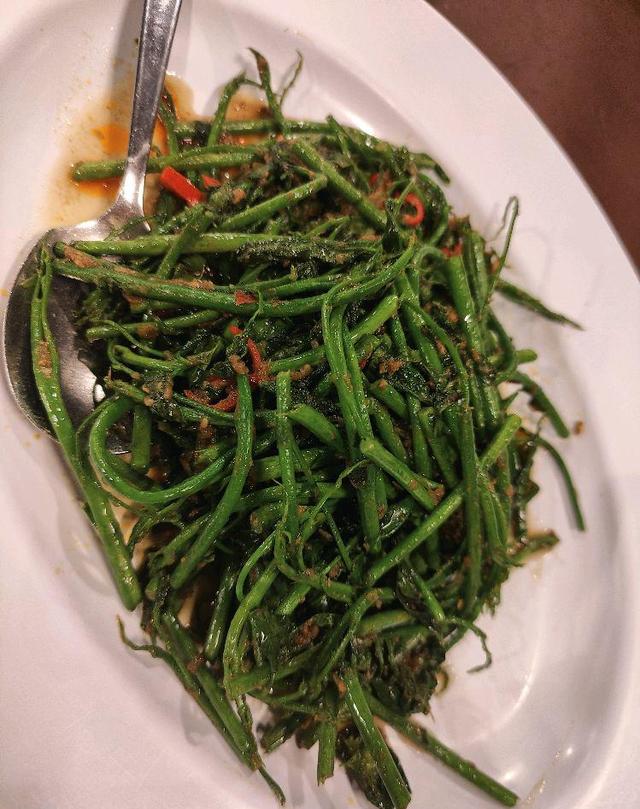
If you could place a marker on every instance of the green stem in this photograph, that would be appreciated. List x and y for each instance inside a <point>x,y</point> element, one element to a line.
<point>426,741</point>
<point>217,157</point>
<point>446,508</point>
<point>374,742</point>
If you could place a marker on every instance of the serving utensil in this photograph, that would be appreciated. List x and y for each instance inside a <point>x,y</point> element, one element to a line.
<point>79,383</point>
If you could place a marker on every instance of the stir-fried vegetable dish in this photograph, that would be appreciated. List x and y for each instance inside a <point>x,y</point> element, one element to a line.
<point>304,367</point>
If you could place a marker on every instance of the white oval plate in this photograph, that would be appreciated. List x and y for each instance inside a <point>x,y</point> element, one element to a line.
<point>87,723</point>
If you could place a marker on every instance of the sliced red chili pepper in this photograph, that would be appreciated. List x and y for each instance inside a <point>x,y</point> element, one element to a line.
<point>241,297</point>
<point>452,251</point>
<point>229,402</point>
<point>412,220</point>
<point>373,179</point>
<point>254,352</point>
<point>260,372</point>
<point>260,367</point>
<point>210,182</point>
<point>179,185</point>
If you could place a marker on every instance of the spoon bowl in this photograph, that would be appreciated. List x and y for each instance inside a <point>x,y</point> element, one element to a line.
<point>79,383</point>
<point>80,386</point>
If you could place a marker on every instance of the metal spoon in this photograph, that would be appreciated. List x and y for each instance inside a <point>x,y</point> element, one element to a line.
<point>78,381</point>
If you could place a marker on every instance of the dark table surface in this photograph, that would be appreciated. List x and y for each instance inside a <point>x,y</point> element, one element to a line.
<point>577,64</point>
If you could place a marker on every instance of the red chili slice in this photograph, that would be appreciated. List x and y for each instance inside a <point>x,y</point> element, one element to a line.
<point>412,220</point>
<point>179,185</point>
<point>452,251</point>
<point>229,402</point>
<point>260,372</point>
<point>210,182</point>
<point>217,383</point>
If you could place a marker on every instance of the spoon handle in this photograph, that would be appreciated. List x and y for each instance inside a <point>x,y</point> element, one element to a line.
<point>156,35</point>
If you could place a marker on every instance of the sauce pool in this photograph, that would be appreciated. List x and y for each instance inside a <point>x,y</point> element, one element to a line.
<point>101,131</point>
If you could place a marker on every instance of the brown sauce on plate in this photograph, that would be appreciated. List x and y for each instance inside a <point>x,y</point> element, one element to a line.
<point>100,130</point>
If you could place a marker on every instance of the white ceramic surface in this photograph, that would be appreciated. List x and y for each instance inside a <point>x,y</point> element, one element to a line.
<point>87,723</point>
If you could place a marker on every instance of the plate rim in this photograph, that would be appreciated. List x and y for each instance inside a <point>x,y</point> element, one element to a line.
<point>418,7</point>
